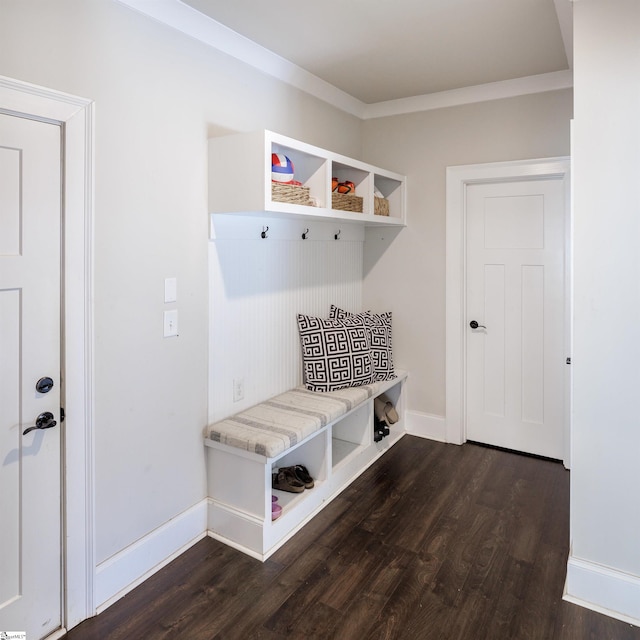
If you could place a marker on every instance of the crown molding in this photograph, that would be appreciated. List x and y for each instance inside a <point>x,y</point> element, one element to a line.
<point>186,19</point>
<point>468,95</point>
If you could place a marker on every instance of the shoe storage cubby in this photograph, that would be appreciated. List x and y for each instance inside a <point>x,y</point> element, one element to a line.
<point>240,482</point>
<point>312,454</point>
<point>351,435</point>
<point>240,181</point>
<point>394,395</point>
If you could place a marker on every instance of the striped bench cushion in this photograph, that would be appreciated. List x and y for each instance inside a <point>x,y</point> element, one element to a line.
<point>273,426</point>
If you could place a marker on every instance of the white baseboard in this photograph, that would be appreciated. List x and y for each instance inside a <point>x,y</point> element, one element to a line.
<point>127,569</point>
<point>602,589</point>
<point>425,425</point>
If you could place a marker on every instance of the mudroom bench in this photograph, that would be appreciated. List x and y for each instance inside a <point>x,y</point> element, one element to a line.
<point>331,434</point>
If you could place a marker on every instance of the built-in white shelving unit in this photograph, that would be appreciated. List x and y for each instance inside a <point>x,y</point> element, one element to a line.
<point>240,481</point>
<point>240,180</point>
<point>242,206</point>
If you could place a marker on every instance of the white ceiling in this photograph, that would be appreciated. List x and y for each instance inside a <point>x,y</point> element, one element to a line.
<point>378,50</point>
<point>376,57</point>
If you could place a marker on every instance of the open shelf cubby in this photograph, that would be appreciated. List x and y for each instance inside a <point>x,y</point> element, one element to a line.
<point>240,181</point>
<point>336,454</point>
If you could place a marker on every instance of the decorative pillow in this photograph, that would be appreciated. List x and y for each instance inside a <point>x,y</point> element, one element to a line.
<point>379,328</point>
<point>335,353</point>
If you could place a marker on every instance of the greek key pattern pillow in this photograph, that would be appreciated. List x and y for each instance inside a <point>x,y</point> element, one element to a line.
<point>335,353</point>
<point>379,328</point>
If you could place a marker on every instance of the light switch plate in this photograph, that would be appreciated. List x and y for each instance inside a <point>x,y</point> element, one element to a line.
<point>171,323</point>
<point>170,289</point>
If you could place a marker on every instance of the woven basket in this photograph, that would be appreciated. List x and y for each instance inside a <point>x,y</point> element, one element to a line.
<point>346,202</point>
<point>290,193</point>
<point>380,206</point>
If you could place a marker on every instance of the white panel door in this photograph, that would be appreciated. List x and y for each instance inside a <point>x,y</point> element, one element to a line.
<point>30,498</point>
<point>515,292</point>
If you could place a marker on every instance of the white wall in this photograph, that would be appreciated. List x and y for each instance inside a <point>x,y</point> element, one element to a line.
<point>604,567</point>
<point>405,273</point>
<point>159,95</point>
<point>257,286</point>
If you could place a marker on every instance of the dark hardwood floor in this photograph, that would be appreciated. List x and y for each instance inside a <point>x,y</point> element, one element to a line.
<point>434,541</point>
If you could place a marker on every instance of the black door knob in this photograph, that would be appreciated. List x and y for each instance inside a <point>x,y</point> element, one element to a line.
<point>474,325</point>
<point>44,385</point>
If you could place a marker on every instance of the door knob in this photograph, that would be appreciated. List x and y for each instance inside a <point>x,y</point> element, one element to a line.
<point>43,421</point>
<point>44,385</point>
<point>474,325</point>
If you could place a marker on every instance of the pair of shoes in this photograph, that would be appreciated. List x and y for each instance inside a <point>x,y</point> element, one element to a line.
<point>343,187</point>
<point>380,429</point>
<point>293,479</point>
<point>285,480</point>
<point>384,410</point>
<point>302,474</point>
<point>276,509</point>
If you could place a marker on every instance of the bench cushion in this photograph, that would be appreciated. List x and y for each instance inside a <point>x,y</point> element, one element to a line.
<point>273,426</point>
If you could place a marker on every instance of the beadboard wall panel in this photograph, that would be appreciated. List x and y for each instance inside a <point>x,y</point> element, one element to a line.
<point>257,287</point>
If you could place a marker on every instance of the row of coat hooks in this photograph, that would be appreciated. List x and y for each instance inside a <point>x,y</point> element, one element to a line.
<point>305,233</point>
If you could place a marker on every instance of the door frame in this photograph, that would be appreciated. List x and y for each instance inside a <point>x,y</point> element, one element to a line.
<point>458,178</point>
<point>76,118</point>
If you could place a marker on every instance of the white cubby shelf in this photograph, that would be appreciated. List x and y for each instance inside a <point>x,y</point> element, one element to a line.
<point>240,482</point>
<point>240,180</point>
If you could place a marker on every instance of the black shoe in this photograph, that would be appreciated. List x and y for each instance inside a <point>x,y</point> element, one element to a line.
<point>300,473</point>
<point>285,480</point>
<point>303,475</point>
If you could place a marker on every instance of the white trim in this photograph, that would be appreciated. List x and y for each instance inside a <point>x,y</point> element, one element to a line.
<point>603,589</point>
<point>425,425</point>
<point>76,117</point>
<point>457,180</point>
<point>128,568</point>
<point>190,21</point>
<point>469,95</point>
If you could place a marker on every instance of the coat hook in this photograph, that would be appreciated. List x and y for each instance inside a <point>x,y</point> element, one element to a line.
<point>337,236</point>
<point>305,234</point>
<point>264,232</point>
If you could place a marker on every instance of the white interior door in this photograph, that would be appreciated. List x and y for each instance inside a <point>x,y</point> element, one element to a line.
<point>30,472</point>
<point>515,277</point>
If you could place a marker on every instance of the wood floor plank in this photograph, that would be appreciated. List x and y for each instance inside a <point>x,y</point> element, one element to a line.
<point>297,606</point>
<point>510,598</point>
<point>433,542</point>
<point>408,598</point>
<point>200,614</point>
<point>253,613</point>
<point>318,623</point>
<point>375,571</point>
<point>457,565</point>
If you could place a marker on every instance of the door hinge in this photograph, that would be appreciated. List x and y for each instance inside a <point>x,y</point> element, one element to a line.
<point>61,414</point>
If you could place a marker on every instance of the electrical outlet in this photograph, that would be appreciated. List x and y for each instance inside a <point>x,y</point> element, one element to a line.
<point>238,389</point>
